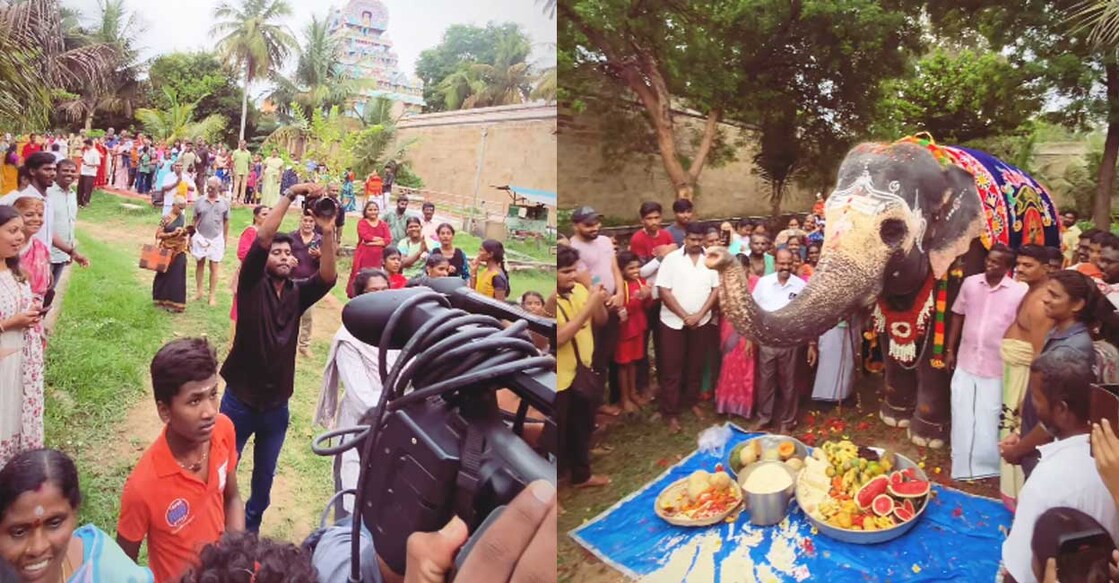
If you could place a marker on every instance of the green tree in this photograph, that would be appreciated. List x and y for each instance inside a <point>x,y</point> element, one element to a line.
<point>824,58</point>
<point>252,40</point>
<point>462,45</point>
<point>198,77</point>
<point>178,121</point>
<point>318,82</point>
<point>37,60</point>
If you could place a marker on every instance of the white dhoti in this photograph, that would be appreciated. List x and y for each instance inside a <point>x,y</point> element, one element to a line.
<point>976,404</point>
<point>835,374</point>
<point>203,248</point>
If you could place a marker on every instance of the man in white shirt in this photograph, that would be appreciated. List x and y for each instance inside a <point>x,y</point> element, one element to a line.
<point>356,365</point>
<point>777,366</point>
<point>172,184</point>
<point>64,202</point>
<point>91,161</point>
<point>1066,475</point>
<point>688,292</point>
<point>41,168</point>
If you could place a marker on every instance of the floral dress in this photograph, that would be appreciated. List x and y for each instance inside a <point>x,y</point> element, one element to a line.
<point>21,373</point>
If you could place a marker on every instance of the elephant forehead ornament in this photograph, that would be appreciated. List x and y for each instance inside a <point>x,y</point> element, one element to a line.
<point>862,197</point>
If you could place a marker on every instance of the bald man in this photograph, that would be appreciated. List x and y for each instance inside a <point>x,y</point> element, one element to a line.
<point>777,366</point>
<point>211,223</point>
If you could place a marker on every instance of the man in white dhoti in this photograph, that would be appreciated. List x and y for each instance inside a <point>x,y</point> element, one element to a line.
<point>355,365</point>
<point>984,309</point>
<point>207,245</point>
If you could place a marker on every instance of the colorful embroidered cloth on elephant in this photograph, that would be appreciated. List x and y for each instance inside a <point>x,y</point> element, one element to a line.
<point>958,538</point>
<point>1018,209</point>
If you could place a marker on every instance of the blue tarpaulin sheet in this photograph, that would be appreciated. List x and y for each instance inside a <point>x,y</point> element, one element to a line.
<point>958,538</point>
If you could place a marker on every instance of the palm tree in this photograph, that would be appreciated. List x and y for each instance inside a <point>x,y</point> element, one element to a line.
<point>116,27</point>
<point>35,60</point>
<point>318,82</point>
<point>549,7</point>
<point>252,39</point>
<point>546,86</point>
<point>177,122</point>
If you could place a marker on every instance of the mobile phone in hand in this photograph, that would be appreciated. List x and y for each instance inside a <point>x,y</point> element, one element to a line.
<point>1105,404</point>
<point>1082,553</point>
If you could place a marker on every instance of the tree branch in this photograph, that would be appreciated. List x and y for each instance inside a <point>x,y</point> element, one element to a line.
<point>710,130</point>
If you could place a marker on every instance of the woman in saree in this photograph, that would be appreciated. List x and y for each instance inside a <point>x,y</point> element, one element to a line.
<point>34,256</point>
<point>103,170</point>
<point>39,499</point>
<point>373,236</point>
<point>734,394</point>
<point>9,176</point>
<point>169,287</point>
<point>21,346</point>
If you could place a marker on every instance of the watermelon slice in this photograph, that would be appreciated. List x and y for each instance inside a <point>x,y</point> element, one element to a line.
<point>902,513</point>
<point>912,489</point>
<point>871,490</point>
<point>910,473</point>
<point>897,477</point>
<point>908,505</point>
<point>883,505</point>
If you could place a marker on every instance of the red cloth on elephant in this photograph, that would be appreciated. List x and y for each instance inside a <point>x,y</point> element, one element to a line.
<point>366,255</point>
<point>735,392</point>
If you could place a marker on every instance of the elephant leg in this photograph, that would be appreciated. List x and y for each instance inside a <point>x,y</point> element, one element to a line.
<point>931,419</point>
<point>900,397</point>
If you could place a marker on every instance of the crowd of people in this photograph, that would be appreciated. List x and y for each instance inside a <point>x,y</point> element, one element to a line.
<point>1029,340</point>
<point>183,493</point>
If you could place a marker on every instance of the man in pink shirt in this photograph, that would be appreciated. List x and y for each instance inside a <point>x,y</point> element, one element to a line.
<point>984,309</point>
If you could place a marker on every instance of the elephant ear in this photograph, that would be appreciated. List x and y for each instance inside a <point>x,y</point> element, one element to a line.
<point>955,218</point>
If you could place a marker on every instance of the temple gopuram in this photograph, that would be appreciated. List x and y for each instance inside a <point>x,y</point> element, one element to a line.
<point>367,53</point>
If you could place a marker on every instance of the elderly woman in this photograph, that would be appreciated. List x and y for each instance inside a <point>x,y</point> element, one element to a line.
<point>169,287</point>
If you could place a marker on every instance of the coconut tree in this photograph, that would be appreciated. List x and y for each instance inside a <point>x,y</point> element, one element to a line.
<point>36,59</point>
<point>507,80</point>
<point>252,40</point>
<point>116,27</point>
<point>177,121</point>
<point>318,82</point>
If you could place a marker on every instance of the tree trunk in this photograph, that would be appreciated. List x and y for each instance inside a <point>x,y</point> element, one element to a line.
<point>245,103</point>
<point>88,121</point>
<point>1101,214</point>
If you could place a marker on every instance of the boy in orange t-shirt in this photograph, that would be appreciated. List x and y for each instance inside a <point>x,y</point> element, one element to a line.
<point>182,495</point>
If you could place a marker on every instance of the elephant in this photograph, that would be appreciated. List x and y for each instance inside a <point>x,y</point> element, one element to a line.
<point>906,222</point>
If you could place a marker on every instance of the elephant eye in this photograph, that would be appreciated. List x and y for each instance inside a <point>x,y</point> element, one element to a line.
<point>892,231</point>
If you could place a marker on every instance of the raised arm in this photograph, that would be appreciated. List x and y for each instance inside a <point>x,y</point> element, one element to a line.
<point>276,217</point>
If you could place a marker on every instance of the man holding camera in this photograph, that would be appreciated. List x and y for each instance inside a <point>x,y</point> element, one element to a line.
<point>260,369</point>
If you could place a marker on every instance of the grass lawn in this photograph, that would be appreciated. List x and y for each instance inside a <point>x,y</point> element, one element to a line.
<point>99,407</point>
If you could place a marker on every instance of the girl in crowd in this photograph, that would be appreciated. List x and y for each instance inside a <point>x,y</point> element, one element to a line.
<point>393,266</point>
<point>533,303</point>
<point>34,257</point>
<point>634,322</point>
<point>169,287</point>
<point>489,275</point>
<point>455,257</point>
<point>413,249</point>
<point>373,236</point>
<point>9,177</point>
<point>435,266</point>
<point>21,411</point>
<point>39,501</point>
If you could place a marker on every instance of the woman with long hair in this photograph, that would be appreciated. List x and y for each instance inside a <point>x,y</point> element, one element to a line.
<point>373,236</point>
<point>9,176</point>
<point>39,501</point>
<point>169,287</point>
<point>21,346</point>
<point>489,276</point>
<point>35,256</point>
<point>456,258</point>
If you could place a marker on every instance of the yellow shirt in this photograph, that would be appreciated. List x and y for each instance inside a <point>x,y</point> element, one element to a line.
<point>573,305</point>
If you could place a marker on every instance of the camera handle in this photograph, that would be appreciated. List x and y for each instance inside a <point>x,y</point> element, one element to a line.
<point>464,552</point>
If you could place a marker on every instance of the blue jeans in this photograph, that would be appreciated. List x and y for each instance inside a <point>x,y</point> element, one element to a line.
<point>270,427</point>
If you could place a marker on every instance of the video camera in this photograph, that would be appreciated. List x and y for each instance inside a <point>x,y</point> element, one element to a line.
<point>437,444</point>
<point>320,205</point>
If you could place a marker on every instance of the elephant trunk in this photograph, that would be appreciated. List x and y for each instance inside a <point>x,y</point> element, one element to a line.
<point>839,288</point>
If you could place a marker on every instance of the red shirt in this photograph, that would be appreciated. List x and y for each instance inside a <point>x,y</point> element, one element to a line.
<point>177,512</point>
<point>30,148</point>
<point>636,321</point>
<point>397,281</point>
<point>642,243</point>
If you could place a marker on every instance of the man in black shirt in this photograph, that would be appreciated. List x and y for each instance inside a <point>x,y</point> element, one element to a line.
<point>260,369</point>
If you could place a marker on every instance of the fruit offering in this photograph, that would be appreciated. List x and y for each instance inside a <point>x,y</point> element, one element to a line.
<point>864,491</point>
<point>766,449</point>
<point>700,499</point>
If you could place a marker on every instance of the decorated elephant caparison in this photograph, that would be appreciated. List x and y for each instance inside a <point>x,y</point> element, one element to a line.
<point>906,223</point>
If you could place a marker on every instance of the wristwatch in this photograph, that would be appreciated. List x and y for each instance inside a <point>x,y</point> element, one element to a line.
<point>289,193</point>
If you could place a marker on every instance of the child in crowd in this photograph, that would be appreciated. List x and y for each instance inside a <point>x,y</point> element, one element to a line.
<point>393,265</point>
<point>488,274</point>
<point>533,303</point>
<point>633,323</point>
<point>182,494</point>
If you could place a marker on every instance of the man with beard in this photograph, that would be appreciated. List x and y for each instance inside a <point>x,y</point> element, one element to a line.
<point>688,291</point>
<point>1084,257</point>
<point>42,169</point>
<point>683,212</point>
<point>761,263</point>
<point>1023,339</point>
<point>260,369</point>
<point>651,244</point>
<point>1109,265</point>
<point>983,310</point>
<point>777,366</point>
<point>64,202</point>
<point>1066,475</point>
